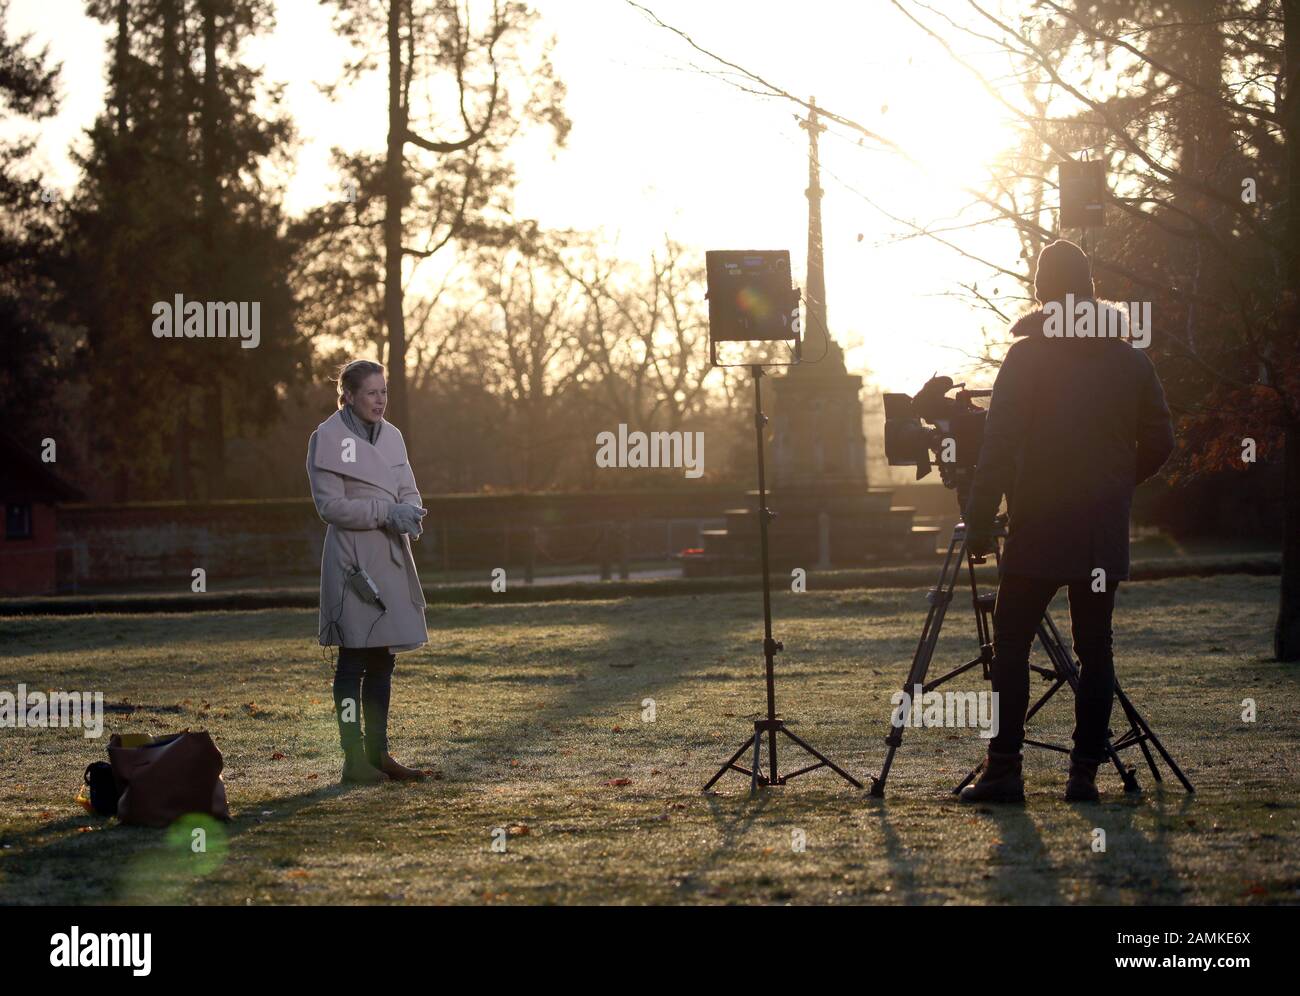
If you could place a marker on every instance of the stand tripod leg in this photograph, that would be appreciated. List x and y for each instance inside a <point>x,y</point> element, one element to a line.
<point>753,779</point>
<point>771,756</point>
<point>823,758</point>
<point>729,765</point>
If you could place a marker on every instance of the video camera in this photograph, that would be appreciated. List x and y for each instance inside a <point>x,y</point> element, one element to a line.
<point>954,434</point>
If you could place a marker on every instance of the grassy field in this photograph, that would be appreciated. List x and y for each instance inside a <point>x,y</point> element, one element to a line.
<point>535,716</point>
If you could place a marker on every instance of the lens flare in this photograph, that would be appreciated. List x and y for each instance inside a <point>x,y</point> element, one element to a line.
<point>753,303</point>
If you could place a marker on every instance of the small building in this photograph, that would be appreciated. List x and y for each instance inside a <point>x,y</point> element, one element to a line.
<point>29,492</point>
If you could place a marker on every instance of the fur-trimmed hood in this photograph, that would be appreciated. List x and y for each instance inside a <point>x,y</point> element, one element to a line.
<point>1107,316</point>
<point>1030,324</point>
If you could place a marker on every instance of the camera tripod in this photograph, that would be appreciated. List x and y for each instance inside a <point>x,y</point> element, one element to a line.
<point>772,724</point>
<point>1063,670</point>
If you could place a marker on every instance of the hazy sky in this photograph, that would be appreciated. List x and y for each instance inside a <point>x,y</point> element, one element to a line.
<point>660,148</point>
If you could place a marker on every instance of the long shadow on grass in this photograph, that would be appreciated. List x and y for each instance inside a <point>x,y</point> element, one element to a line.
<point>41,635</point>
<point>1135,860</point>
<point>707,634</point>
<point>1004,876</point>
<point>106,858</point>
<point>902,866</point>
<point>733,829</point>
<point>1010,876</point>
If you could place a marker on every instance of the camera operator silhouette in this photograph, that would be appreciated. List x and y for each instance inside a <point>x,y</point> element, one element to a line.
<point>1074,425</point>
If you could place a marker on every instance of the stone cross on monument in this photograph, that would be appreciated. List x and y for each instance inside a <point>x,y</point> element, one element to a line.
<point>825,515</point>
<point>815,289</point>
<point>817,425</point>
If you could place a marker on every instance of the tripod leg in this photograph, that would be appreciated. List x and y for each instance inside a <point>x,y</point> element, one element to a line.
<point>727,767</point>
<point>824,759</point>
<point>1068,673</point>
<point>878,781</point>
<point>1136,732</point>
<point>1136,717</point>
<point>1126,776</point>
<point>753,781</point>
<point>940,597</point>
<point>771,756</point>
<point>974,772</point>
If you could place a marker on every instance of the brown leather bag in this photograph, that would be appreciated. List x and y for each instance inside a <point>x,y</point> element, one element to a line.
<point>164,778</point>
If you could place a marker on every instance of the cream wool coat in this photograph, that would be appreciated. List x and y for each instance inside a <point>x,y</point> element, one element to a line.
<point>354,483</point>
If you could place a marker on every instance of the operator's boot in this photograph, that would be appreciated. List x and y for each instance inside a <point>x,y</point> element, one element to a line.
<point>1000,781</point>
<point>1081,786</point>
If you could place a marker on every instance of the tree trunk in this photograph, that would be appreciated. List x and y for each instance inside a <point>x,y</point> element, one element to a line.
<point>181,481</point>
<point>119,67</point>
<point>213,420</point>
<point>394,200</point>
<point>1286,634</point>
<point>172,148</point>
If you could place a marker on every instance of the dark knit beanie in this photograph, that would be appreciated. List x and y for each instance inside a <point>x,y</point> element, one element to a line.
<point>1063,268</point>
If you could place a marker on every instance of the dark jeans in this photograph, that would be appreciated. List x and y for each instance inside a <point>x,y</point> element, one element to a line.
<point>364,676</point>
<point>1019,609</point>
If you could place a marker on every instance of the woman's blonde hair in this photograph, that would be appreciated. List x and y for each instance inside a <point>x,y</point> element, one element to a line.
<point>353,373</point>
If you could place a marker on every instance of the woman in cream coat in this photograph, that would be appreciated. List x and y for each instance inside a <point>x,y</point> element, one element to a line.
<point>364,490</point>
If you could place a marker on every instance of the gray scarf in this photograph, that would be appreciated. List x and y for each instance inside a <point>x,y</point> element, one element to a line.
<point>360,426</point>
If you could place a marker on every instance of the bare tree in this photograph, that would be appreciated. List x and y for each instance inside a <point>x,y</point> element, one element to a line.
<point>500,82</point>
